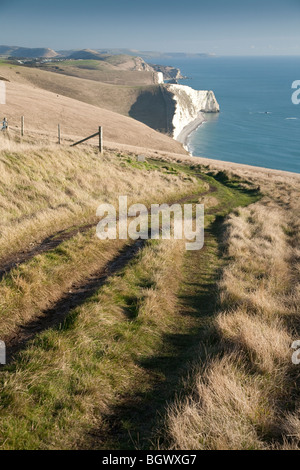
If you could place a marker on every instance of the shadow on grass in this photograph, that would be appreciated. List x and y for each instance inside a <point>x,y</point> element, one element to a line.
<point>236,183</point>
<point>137,423</point>
<point>60,314</point>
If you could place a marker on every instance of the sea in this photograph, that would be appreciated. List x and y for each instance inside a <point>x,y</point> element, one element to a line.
<point>258,123</point>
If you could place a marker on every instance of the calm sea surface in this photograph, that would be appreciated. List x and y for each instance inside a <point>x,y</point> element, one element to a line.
<point>258,124</point>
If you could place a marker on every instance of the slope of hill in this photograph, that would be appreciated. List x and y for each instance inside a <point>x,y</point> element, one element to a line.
<point>166,108</point>
<point>144,103</point>
<point>7,50</point>
<point>25,52</point>
<point>86,54</point>
<point>43,110</point>
<point>121,61</point>
<point>113,70</point>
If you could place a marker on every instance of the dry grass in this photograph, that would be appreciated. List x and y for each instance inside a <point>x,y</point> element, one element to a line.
<point>68,379</point>
<point>244,386</point>
<point>44,110</point>
<point>44,189</point>
<point>29,290</point>
<point>81,87</point>
<point>124,73</point>
<point>222,413</point>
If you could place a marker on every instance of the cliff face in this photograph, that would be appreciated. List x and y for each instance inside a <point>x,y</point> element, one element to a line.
<point>171,108</point>
<point>189,104</point>
<point>142,66</point>
<point>160,77</point>
<point>169,73</point>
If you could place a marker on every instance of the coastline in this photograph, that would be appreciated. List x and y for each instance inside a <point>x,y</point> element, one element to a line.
<point>189,129</point>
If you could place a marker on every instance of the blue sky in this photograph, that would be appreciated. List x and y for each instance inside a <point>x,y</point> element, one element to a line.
<point>223,27</point>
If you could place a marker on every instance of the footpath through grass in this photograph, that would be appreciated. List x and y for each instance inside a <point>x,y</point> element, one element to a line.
<point>103,378</point>
<point>137,421</point>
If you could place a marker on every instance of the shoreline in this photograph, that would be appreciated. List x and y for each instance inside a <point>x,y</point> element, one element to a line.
<point>189,129</point>
<point>186,132</point>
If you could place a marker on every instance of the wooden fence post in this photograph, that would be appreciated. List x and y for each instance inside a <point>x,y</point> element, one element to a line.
<point>100,136</point>
<point>22,126</point>
<point>100,139</point>
<point>59,137</point>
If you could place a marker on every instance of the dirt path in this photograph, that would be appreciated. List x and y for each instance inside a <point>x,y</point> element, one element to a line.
<point>137,423</point>
<point>75,297</point>
<point>54,240</point>
<point>79,292</point>
<point>136,411</point>
<point>48,244</point>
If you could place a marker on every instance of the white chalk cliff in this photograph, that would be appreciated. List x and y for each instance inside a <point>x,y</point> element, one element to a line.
<point>189,106</point>
<point>160,77</point>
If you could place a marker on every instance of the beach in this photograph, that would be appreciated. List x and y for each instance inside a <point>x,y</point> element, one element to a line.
<point>187,130</point>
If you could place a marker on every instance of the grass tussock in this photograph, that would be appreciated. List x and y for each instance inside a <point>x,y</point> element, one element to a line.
<point>244,385</point>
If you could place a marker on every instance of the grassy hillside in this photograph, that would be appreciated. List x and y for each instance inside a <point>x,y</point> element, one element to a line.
<point>44,109</point>
<point>142,103</point>
<point>115,70</point>
<point>88,57</point>
<point>70,288</point>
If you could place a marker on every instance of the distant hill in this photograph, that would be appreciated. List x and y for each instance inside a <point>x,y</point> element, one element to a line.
<point>145,55</point>
<point>7,50</point>
<point>86,54</point>
<point>95,54</point>
<point>155,55</point>
<point>121,61</point>
<point>24,52</point>
<point>130,72</point>
<point>173,55</point>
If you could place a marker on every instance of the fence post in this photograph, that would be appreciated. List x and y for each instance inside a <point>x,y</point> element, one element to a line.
<point>100,139</point>
<point>59,138</point>
<point>22,126</point>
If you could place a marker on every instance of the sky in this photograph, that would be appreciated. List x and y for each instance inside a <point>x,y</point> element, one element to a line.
<point>221,27</point>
